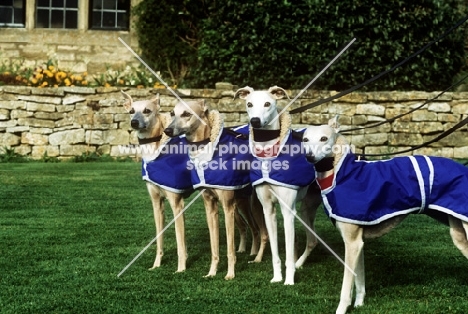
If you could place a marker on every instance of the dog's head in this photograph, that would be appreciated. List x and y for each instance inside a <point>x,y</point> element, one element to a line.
<point>261,105</point>
<point>143,113</point>
<point>187,117</point>
<point>318,141</point>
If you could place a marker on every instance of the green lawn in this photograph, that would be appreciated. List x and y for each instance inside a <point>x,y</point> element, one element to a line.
<point>68,229</point>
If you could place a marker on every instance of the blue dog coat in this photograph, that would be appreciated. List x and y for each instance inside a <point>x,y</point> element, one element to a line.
<point>369,192</point>
<point>284,166</point>
<point>223,163</point>
<point>169,169</point>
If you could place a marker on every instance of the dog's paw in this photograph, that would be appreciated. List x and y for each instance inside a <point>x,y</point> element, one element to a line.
<point>276,279</point>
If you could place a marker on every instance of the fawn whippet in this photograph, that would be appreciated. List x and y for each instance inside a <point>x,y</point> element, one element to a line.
<point>367,199</point>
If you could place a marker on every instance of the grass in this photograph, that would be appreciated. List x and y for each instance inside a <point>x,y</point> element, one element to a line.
<point>68,229</point>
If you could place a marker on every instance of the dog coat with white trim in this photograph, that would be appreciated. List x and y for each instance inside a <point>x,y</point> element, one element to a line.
<point>169,169</point>
<point>222,163</point>
<point>369,192</point>
<point>285,165</point>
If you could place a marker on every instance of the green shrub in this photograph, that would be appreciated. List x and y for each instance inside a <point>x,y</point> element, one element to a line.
<point>168,34</point>
<point>264,43</point>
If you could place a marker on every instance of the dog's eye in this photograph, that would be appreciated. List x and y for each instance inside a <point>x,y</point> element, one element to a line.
<point>249,105</point>
<point>132,111</point>
<point>323,139</point>
<point>267,104</point>
<point>186,114</point>
<point>305,139</point>
<point>147,111</point>
<point>172,113</point>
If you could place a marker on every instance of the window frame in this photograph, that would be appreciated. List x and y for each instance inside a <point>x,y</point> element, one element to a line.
<point>64,9</point>
<point>22,13</point>
<point>116,13</point>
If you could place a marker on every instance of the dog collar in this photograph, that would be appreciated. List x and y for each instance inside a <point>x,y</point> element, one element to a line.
<point>325,164</point>
<point>155,139</point>
<point>200,143</point>
<point>260,135</point>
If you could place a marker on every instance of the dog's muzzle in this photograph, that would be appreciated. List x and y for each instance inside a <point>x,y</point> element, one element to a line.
<point>169,132</point>
<point>311,158</point>
<point>135,124</point>
<point>255,123</point>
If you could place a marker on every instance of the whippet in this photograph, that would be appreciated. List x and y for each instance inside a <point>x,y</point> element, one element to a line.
<point>215,169</point>
<point>283,175</point>
<point>368,199</point>
<point>163,179</point>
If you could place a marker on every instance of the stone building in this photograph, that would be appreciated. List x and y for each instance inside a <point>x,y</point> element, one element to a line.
<point>81,35</point>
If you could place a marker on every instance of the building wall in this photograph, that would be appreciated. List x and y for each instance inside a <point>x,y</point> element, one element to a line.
<point>70,121</point>
<point>76,50</point>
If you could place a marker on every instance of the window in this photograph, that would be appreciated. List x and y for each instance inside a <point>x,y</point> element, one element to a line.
<point>57,14</point>
<point>12,13</point>
<point>109,14</point>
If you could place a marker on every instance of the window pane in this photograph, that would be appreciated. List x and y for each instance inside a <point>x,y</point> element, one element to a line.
<point>108,19</point>
<point>6,15</point>
<point>122,5</point>
<point>72,4</point>
<point>57,19</point>
<point>19,16</point>
<point>71,19</point>
<point>43,3</point>
<point>18,4</point>
<point>7,2</point>
<point>96,23</point>
<point>122,20</point>
<point>58,3</point>
<point>42,20</point>
<point>97,4</point>
<point>109,4</point>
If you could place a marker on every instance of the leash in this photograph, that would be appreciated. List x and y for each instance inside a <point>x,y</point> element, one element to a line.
<point>391,120</point>
<point>352,89</point>
<point>438,138</point>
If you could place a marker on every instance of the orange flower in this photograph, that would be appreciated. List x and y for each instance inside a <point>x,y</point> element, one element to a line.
<point>48,73</point>
<point>107,85</point>
<point>44,84</point>
<point>67,82</point>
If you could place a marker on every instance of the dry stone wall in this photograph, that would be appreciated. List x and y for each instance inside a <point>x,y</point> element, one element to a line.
<point>69,121</point>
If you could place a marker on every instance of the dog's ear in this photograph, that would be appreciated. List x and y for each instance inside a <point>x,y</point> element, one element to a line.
<point>156,102</point>
<point>128,100</point>
<point>333,122</point>
<point>243,92</point>
<point>204,107</point>
<point>278,92</point>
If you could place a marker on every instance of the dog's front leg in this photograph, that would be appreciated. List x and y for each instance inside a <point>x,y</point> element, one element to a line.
<point>287,200</point>
<point>352,237</point>
<point>211,209</point>
<point>158,211</point>
<point>177,204</point>
<point>228,203</point>
<point>267,200</point>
